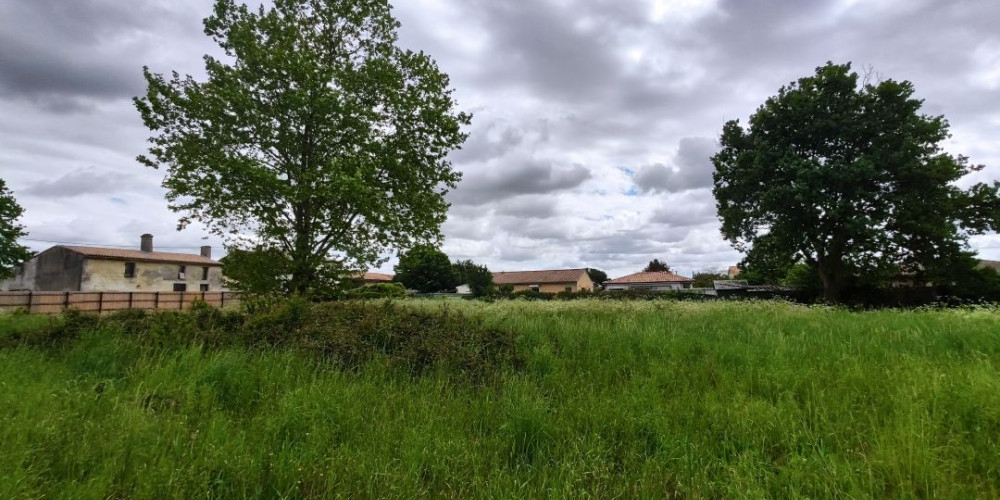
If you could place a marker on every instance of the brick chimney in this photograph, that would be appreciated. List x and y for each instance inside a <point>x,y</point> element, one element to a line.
<point>206,252</point>
<point>146,242</point>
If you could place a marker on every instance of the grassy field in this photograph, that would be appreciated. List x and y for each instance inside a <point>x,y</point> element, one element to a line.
<point>632,399</point>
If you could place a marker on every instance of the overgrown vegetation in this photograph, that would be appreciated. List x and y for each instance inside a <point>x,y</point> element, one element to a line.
<point>604,399</point>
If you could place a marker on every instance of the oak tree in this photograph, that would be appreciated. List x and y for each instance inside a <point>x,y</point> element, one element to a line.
<point>656,266</point>
<point>426,269</point>
<point>850,179</point>
<point>315,136</point>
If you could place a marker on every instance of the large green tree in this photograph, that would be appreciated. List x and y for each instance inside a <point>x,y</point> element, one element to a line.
<point>849,178</point>
<point>657,266</point>
<point>478,277</point>
<point>426,269</point>
<point>11,252</point>
<point>317,136</point>
<point>597,276</point>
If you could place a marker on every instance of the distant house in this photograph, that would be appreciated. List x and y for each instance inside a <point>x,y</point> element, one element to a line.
<point>371,277</point>
<point>656,281</point>
<point>991,264</point>
<point>549,281</point>
<point>95,269</point>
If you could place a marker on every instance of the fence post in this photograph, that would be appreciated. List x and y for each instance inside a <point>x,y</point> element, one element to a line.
<point>100,303</point>
<point>222,300</point>
<point>181,307</point>
<point>30,295</point>
<point>156,300</point>
<point>130,300</point>
<point>65,301</point>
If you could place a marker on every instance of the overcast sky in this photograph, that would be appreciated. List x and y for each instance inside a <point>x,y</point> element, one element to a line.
<point>594,119</point>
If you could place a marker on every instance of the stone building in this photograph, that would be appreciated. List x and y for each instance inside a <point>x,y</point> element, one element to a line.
<point>65,268</point>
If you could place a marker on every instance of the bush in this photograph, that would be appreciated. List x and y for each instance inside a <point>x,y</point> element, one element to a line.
<point>532,295</point>
<point>378,291</point>
<point>349,333</point>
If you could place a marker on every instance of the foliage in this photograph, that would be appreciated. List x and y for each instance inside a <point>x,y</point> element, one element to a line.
<point>610,400</point>
<point>317,134</point>
<point>377,291</point>
<point>706,279</point>
<point>597,276</point>
<point>479,278</point>
<point>257,271</point>
<point>850,180</point>
<point>655,266</point>
<point>426,269</point>
<point>11,253</point>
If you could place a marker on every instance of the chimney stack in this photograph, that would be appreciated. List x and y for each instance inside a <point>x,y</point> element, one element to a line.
<point>206,252</point>
<point>146,243</point>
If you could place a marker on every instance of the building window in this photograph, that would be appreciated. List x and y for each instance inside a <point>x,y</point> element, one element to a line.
<point>130,269</point>
<point>533,288</point>
<point>180,272</point>
<point>569,289</point>
<point>180,287</point>
<point>204,273</point>
<point>203,287</point>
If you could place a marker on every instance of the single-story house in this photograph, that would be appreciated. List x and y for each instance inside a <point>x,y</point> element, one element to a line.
<point>656,281</point>
<point>549,281</point>
<point>65,268</point>
<point>370,277</point>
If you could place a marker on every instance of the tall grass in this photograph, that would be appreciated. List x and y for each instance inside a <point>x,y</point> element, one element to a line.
<point>650,399</point>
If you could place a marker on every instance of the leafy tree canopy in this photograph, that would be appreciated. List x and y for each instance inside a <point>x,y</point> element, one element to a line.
<point>706,279</point>
<point>479,278</point>
<point>655,266</point>
<point>11,253</point>
<point>317,135</point>
<point>851,180</point>
<point>426,269</point>
<point>597,276</point>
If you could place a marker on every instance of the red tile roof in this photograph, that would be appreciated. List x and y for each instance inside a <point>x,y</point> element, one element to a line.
<point>376,277</point>
<point>537,277</point>
<point>657,277</point>
<point>140,256</point>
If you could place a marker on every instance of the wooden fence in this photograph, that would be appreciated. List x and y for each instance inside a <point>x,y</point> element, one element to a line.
<point>102,302</point>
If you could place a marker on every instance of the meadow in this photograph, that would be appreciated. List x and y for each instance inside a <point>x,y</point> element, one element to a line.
<point>593,399</point>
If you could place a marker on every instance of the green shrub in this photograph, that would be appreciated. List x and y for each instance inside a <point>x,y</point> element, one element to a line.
<point>348,333</point>
<point>533,295</point>
<point>378,291</point>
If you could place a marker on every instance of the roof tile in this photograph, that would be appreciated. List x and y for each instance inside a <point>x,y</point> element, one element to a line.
<point>655,277</point>
<point>537,277</point>
<point>139,255</point>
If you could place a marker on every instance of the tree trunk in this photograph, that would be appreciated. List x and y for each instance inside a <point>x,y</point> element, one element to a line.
<point>833,281</point>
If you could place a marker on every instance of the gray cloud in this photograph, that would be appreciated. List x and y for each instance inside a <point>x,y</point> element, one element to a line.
<point>529,207</point>
<point>565,93</point>
<point>82,182</point>
<point>56,52</point>
<point>480,187</point>
<point>693,168</point>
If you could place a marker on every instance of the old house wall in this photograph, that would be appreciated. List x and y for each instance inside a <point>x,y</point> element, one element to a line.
<point>100,275</point>
<point>54,270</point>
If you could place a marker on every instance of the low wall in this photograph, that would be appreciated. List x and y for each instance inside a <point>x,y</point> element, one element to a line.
<point>102,302</point>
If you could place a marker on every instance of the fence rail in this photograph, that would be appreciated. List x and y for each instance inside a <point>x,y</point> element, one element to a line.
<point>104,302</point>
